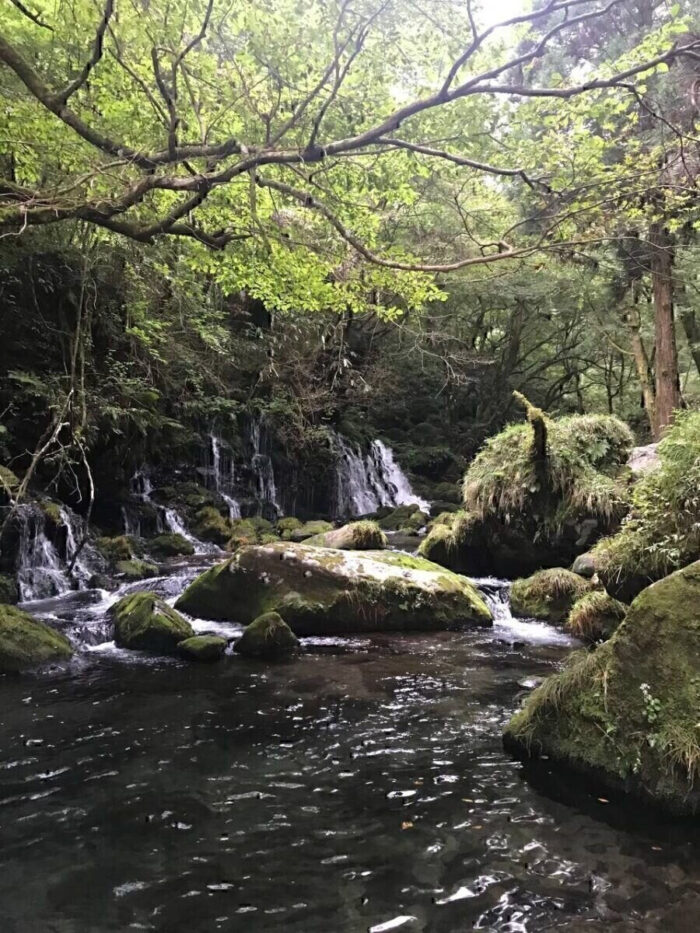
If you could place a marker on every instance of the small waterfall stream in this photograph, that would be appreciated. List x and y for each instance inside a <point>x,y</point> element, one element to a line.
<point>168,519</point>
<point>366,482</point>
<point>261,464</point>
<point>43,564</point>
<point>220,473</point>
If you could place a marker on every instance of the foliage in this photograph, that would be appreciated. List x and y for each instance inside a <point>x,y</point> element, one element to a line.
<point>547,594</point>
<point>662,532</point>
<point>595,616</point>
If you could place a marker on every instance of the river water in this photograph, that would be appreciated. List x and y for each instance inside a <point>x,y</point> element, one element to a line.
<point>361,786</point>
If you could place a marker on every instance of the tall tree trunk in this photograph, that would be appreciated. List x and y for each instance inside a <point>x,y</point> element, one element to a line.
<point>642,364</point>
<point>668,396</point>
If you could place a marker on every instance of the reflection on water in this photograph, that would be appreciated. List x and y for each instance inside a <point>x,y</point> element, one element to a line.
<point>359,787</point>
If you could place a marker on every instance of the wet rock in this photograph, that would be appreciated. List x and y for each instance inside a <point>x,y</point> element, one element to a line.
<point>135,569</point>
<point>328,591</point>
<point>585,565</point>
<point>407,518</point>
<point>357,536</point>
<point>307,530</point>
<point>144,622</point>
<point>547,595</point>
<point>644,459</point>
<point>267,637</point>
<point>115,549</point>
<point>627,712</point>
<point>210,525</point>
<point>170,545</point>
<point>25,642</point>
<point>206,648</point>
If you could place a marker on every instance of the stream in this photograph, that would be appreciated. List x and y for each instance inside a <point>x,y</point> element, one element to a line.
<point>359,787</point>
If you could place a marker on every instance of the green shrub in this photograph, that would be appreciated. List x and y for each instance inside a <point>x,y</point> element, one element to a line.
<point>662,531</point>
<point>595,616</point>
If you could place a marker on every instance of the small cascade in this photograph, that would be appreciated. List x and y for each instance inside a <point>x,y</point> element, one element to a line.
<point>507,627</point>
<point>89,560</point>
<point>43,564</point>
<point>366,482</point>
<point>261,465</point>
<point>40,570</point>
<point>220,474</point>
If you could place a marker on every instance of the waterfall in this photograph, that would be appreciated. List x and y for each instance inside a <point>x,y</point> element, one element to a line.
<point>508,628</point>
<point>261,465</point>
<point>42,566</point>
<point>221,473</point>
<point>366,482</point>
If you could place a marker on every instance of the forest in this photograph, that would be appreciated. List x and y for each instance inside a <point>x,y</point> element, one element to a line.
<point>349,465</point>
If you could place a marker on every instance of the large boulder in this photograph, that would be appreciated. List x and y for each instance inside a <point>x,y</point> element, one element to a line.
<point>295,531</point>
<point>547,595</point>
<point>268,637</point>
<point>144,622</point>
<point>170,545</point>
<point>26,642</point>
<point>357,536</point>
<point>537,495</point>
<point>627,712</point>
<point>135,569</point>
<point>328,591</point>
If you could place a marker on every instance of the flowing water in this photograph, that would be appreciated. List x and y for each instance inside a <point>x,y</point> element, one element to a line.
<point>367,481</point>
<point>361,786</point>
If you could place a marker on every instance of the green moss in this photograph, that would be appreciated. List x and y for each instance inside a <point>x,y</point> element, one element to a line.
<point>357,536</point>
<point>144,622</point>
<point>210,525</point>
<point>170,545</point>
<point>307,530</point>
<point>115,549</point>
<point>205,648</point>
<point>327,591</point>
<point>9,591</point>
<point>268,637</point>
<point>52,511</point>
<point>404,516</point>
<point>547,594</point>
<point>288,524</point>
<point>662,532</point>
<point>595,616</point>
<point>26,642</point>
<point>9,482</point>
<point>136,569</point>
<point>447,492</point>
<point>628,711</point>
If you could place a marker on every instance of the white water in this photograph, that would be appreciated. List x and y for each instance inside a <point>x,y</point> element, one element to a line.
<point>42,569</point>
<point>366,482</point>
<point>262,467</point>
<point>222,474</point>
<point>506,627</point>
<point>167,518</point>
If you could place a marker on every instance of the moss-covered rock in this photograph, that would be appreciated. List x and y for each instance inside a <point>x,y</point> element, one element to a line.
<point>267,637</point>
<point>144,622</point>
<point>135,569</point>
<point>9,591</point>
<point>627,712</point>
<point>408,518</point>
<point>595,616</point>
<point>357,536</point>
<point>329,591</point>
<point>205,648</point>
<point>539,494</point>
<point>210,525</point>
<point>25,642</point>
<point>115,549</point>
<point>170,545</point>
<point>307,530</point>
<point>548,594</point>
<point>288,524</point>
<point>9,484</point>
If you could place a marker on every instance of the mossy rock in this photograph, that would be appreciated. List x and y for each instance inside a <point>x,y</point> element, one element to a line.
<point>585,565</point>
<point>357,536</point>
<point>267,637</point>
<point>25,642</point>
<point>288,524</point>
<point>210,525</point>
<point>547,595</point>
<point>52,512</point>
<point>307,530</point>
<point>144,622</point>
<point>626,713</point>
<point>136,569</point>
<point>404,517</point>
<point>329,591</point>
<point>170,545</point>
<point>116,548</point>
<point>269,538</point>
<point>243,531</point>
<point>595,616</point>
<point>9,484</point>
<point>204,648</point>
<point>9,591</point>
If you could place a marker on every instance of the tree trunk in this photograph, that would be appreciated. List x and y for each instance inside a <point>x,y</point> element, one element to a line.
<point>668,396</point>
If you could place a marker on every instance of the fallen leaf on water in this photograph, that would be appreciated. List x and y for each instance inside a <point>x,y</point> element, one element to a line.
<point>656,849</point>
<point>406,825</point>
<point>603,800</point>
<point>467,800</point>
